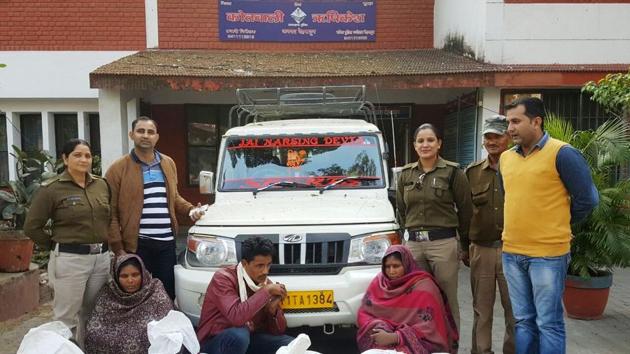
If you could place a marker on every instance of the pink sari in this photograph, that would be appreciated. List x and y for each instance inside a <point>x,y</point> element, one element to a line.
<point>411,306</point>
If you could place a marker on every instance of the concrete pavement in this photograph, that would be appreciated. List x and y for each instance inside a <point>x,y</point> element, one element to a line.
<point>609,335</point>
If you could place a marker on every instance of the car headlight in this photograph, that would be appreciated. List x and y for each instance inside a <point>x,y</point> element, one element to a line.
<point>371,248</point>
<point>211,251</point>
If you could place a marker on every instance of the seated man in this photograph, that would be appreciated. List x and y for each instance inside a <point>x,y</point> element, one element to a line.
<point>241,310</point>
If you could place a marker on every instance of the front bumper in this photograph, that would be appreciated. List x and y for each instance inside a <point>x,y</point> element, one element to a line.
<point>348,287</point>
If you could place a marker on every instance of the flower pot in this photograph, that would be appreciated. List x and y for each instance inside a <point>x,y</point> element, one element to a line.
<point>586,299</point>
<point>15,252</point>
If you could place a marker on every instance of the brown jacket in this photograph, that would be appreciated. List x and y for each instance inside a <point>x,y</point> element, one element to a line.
<point>127,191</point>
<point>222,308</point>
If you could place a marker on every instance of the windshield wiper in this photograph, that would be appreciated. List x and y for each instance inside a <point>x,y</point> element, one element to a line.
<point>348,178</point>
<point>283,184</point>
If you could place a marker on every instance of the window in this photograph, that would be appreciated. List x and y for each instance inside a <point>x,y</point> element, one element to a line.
<point>311,161</point>
<point>509,97</point>
<point>95,133</point>
<point>572,105</point>
<point>31,132</point>
<point>66,128</point>
<point>4,151</point>
<point>203,124</point>
<point>459,137</point>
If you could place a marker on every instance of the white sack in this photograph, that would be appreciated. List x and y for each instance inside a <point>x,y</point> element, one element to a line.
<point>51,337</point>
<point>168,334</point>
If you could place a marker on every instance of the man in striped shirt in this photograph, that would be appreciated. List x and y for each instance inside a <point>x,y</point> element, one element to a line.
<point>145,204</point>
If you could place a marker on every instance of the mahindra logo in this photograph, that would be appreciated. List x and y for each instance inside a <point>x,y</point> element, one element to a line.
<point>293,238</point>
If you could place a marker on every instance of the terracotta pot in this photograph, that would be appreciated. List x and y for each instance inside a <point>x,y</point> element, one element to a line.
<point>15,252</point>
<point>586,299</point>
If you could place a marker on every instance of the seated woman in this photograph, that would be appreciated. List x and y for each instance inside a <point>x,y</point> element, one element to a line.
<point>404,309</point>
<point>124,307</point>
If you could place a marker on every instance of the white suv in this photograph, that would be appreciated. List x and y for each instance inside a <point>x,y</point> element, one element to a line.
<point>317,188</point>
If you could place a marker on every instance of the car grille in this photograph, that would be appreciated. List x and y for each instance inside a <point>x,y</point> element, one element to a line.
<point>314,254</point>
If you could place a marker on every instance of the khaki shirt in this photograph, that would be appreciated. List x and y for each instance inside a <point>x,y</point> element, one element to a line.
<point>430,202</point>
<point>78,215</point>
<point>486,225</point>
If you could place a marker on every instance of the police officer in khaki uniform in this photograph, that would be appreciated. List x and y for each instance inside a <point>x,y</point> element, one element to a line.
<point>486,226</point>
<point>434,205</point>
<point>77,204</point>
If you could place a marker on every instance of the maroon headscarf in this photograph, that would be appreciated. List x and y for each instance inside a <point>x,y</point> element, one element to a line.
<point>411,306</point>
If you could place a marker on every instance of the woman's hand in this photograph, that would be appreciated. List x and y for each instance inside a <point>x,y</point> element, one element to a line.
<point>383,338</point>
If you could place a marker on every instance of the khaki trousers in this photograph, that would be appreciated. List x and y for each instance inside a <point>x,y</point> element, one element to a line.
<point>486,270</point>
<point>76,279</point>
<point>440,258</point>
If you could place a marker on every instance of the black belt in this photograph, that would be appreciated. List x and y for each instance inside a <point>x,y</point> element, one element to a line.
<point>432,235</point>
<point>76,248</point>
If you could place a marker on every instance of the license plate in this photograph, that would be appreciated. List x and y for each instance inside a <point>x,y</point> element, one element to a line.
<point>315,299</point>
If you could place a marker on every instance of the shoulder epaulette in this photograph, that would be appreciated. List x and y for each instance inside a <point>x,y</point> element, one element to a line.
<point>49,181</point>
<point>410,165</point>
<point>451,163</point>
<point>473,164</point>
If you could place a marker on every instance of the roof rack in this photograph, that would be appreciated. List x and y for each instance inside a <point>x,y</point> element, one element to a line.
<point>264,104</point>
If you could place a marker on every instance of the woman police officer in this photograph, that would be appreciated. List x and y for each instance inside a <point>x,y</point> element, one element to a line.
<point>76,203</point>
<point>434,204</point>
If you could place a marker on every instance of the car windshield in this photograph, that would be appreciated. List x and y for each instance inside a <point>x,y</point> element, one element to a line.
<point>313,161</point>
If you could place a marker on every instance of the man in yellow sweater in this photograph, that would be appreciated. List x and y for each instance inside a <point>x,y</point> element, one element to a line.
<point>547,186</point>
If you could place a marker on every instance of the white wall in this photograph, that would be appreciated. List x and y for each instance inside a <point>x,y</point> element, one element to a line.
<point>537,33</point>
<point>558,33</point>
<point>114,138</point>
<point>47,74</point>
<point>50,105</point>
<point>489,105</point>
<point>467,18</point>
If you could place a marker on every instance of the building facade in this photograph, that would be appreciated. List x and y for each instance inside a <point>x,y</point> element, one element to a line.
<point>87,69</point>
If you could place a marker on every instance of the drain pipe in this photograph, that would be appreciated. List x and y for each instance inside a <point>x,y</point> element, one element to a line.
<point>329,328</point>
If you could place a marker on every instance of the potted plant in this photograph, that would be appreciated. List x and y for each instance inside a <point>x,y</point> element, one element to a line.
<point>32,168</point>
<point>602,241</point>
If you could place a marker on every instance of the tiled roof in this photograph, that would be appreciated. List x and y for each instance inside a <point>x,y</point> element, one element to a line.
<point>428,68</point>
<point>178,63</point>
<point>173,63</point>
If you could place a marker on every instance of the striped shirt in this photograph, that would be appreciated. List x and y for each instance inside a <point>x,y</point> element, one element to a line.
<point>155,222</point>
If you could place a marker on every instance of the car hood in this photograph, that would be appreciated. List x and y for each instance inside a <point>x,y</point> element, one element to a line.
<point>298,211</point>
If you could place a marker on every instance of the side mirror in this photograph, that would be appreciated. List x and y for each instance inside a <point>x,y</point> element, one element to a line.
<point>206,182</point>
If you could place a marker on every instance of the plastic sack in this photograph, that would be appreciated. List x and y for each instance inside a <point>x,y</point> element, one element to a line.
<point>51,337</point>
<point>382,351</point>
<point>168,334</point>
<point>297,346</point>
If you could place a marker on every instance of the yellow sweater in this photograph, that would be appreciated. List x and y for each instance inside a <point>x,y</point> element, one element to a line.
<point>537,207</point>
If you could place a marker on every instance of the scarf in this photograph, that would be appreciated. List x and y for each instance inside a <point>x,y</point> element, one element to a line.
<point>244,278</point>
<point>411,306</point>
<point>118,323</point>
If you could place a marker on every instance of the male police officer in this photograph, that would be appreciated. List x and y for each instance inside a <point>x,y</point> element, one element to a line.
<point>486,226</point>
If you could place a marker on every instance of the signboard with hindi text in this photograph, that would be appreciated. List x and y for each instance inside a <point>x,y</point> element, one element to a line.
<point>297,21</point>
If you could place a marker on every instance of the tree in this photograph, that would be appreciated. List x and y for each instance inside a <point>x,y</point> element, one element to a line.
<point>613,92</point>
